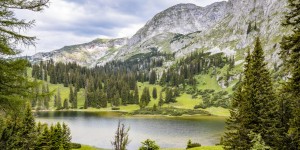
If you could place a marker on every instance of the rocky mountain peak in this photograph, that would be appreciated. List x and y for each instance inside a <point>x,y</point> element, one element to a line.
<point>181,18</point>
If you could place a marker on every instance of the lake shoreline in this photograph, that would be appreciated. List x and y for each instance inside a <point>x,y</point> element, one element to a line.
<point>127,114</point>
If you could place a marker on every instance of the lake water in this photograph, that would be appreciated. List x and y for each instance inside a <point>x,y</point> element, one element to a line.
<point>98,128</point>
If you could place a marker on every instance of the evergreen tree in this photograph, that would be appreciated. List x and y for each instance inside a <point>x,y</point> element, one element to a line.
<point>28,133</point>
<point>66,104</point>
<point>71,95</point>
<point>152,79</point>
<point>136,95</point>
<point>47,97</point>
<point>161,101</point>
<point>154,93</point>
<point>74,104</point>
<point>58,100</point>
<point>44,139</point>
<point>257,106</point>
<point>66,137</point>
<point>145,98</point>
<point>291,55</point>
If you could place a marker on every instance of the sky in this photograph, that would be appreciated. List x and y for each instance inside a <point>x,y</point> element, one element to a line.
<point>69,22</point>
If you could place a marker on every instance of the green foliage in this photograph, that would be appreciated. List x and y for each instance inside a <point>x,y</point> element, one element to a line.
<point>254,106</point>
<point>258,142</point>
<point>145,98</point>
<point>290,54</point>
<point>149,145</point>
<point>170,111</point>
<point>192,145</point>
<point>154,93</point>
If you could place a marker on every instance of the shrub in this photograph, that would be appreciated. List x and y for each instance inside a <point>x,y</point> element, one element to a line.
<point>192,145</point>
<point>115,108</point>
<point>75,145</point>
<point>149,145</point>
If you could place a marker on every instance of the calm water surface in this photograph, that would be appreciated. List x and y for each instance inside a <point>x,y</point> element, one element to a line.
<point>97,129</point>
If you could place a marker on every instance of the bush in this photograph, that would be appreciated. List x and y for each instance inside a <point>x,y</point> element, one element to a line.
<point>75,145</point>
<point>192,145</point>
<point>115,108</point>
<point>149,145</point>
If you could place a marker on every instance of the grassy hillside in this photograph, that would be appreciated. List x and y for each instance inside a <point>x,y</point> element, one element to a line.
<point>184,101</point>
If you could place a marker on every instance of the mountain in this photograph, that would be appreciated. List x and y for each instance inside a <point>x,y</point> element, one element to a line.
<point>228,27</point>
<point>97,52</point>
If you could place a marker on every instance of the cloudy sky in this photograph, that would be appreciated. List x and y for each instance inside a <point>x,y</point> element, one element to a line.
<point>68,22</point>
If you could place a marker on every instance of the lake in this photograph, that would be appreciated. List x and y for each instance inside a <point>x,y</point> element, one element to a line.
<point>98,128</point>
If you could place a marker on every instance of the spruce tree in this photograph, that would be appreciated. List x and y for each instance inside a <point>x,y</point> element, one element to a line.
<point>71,95</point>
<point>291,55</point>
<point>66,104</point>
<point>136,95</point>
<point>66,137</point>
<point>154,93</point>
<point>161,100</point>
<point>28,133</point>
<point>145,98</point>
<point>58,100</point>
<point>257,109</point>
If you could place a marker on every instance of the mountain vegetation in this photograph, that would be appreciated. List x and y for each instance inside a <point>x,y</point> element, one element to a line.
<point>174,76</point>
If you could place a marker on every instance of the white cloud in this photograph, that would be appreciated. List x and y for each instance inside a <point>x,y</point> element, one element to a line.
<point>68,22</point>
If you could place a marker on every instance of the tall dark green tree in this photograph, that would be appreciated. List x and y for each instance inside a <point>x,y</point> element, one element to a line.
<point>161,100</point>
<point>71,95</point>
<point>58,100</point>
<point>136,96</point>
<point>145,98</point>
<point>257,110</point>
<point>66,104</point>
<point>152,79</point>
<point>291,55</point>
<point>154,93</point>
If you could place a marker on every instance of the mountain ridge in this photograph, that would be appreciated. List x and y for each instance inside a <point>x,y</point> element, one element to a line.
<point>224,27</point>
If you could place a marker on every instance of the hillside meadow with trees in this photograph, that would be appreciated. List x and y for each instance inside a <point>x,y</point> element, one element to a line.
<point>262,116</point>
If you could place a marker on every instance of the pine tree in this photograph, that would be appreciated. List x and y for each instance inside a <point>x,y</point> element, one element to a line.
<point>291,55</point>
<point>28,133</point>
<point>66,104</point>
<point>44,139</point>
<point>152,79</point>
<point>58,100</point>
<point>161,101</point>
<point>257,108</point>
<point>71,95</point>
<point>136,95</point>
<point>47,97</point>
<point>66,137</point>
<point>74,104</point>
<point>235,137</point>
<point>145,98</point>
<point>154,93</point>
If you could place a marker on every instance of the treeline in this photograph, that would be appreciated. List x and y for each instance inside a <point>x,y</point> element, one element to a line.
<point>116,82</point>
<point>23,133</point>
<point>183,72</point>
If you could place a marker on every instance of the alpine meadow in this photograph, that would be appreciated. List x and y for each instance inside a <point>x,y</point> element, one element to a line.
<point>156,75</point>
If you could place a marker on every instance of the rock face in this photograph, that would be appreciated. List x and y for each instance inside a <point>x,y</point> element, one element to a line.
<point>181,18</point>
<point>228,27</point>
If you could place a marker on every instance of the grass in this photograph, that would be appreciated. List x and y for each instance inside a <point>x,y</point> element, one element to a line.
<point>218,111</point>
<point>86,147</point>
<point>208,148</point>
<point>197,148</point>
